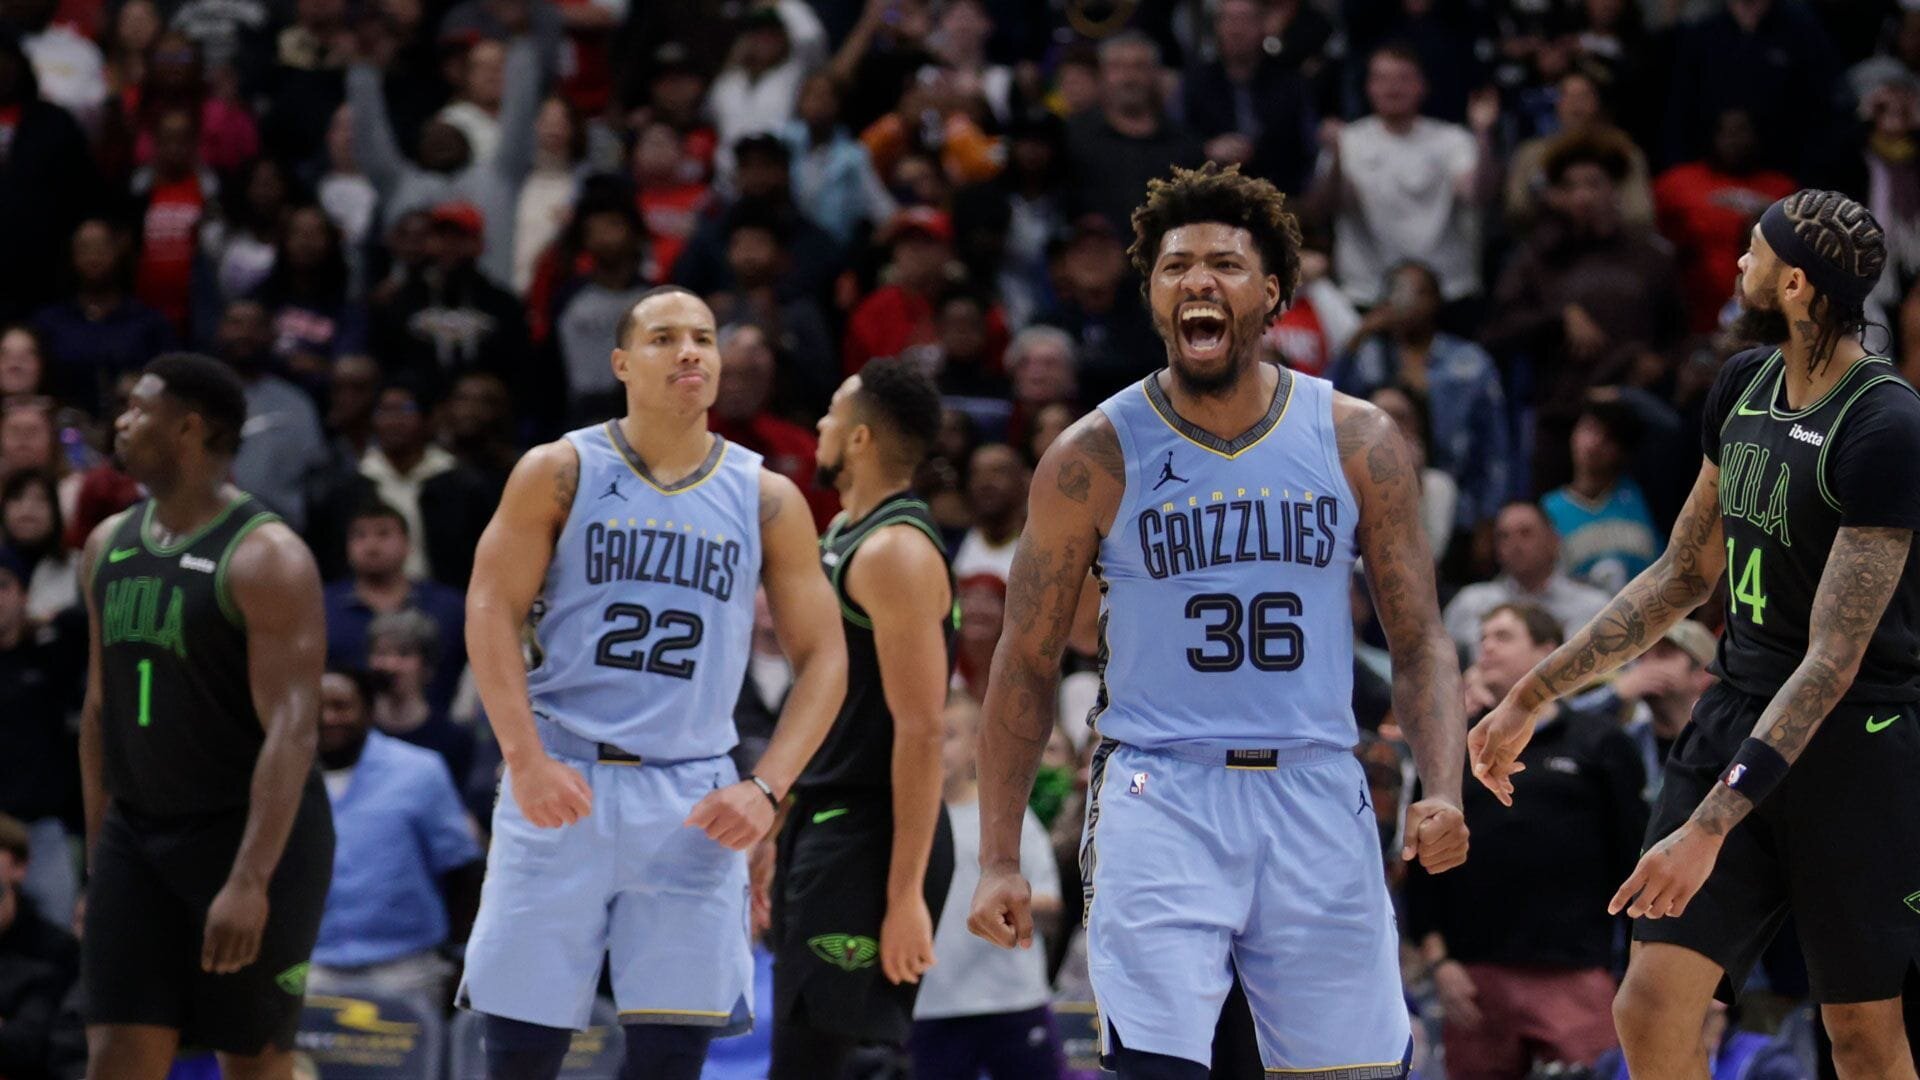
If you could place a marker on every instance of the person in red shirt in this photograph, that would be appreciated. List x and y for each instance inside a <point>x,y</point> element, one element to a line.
<point>671,197</point>
<point>175,194</point>
<point>740,414</point>
<point>900,315</point>
<point>1705,209</point>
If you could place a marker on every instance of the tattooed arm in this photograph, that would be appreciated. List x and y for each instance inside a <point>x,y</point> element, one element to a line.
<point>1862,572</point>
<point>508,567</point>
<point>1075,494</point>
<point>1426,670</point>
<point>1681,579</point>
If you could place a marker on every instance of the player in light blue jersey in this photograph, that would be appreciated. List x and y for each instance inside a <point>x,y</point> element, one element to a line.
<point>1221,504</point>
<point>622,823</point>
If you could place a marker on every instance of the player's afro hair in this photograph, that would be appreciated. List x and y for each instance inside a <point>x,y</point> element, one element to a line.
<point>906,401</point>
<point>1211,193</point>
<point>208,388</point>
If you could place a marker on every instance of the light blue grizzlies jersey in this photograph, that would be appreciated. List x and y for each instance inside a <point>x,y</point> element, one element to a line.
<point>1224,580</point>
<point>645,621</point>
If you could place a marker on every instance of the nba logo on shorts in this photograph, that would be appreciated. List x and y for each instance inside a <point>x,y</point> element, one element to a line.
<point>1139,785</point>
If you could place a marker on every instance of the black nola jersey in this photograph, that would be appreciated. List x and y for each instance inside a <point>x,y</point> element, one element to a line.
<point>858,751</point>
<point>178,729</point>
<point>1789,481</point>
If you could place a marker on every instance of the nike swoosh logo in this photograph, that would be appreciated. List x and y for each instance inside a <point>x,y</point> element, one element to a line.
<point>122,553</point>
<point>1742,410</point>
<point>829,815</point>
<point>1876,726</point>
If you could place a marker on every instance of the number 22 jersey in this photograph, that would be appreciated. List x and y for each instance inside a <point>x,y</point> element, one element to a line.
<point>645,621</point>
<point>1224,617</point>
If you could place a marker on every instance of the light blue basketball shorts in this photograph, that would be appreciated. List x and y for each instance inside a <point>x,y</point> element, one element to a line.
<point>1194,869</point>
<point>668,905</point>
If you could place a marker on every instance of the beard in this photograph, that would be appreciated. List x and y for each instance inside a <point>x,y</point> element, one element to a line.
<point>1243,351</point>
<point>1758,326</point>
<point>826,476</point>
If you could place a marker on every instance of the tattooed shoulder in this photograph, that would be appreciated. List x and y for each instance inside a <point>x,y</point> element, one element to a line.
<point>1092,438</point>
<point>1363,428</point>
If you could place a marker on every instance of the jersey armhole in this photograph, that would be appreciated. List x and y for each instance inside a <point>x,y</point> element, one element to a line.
<point>1128,455</point>
<point>220,587</point>
<point>1330,450</point>
<point>1833,434</point>
<point>851,611</point>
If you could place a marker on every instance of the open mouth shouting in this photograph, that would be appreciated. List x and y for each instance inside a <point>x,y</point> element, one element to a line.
<point>1202,328</point>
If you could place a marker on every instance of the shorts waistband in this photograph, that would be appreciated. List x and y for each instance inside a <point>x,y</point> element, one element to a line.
<point>563,743</point>
<point>1246,758</point>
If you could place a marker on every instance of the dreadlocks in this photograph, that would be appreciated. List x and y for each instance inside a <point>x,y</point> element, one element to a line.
<point>1842,233</point>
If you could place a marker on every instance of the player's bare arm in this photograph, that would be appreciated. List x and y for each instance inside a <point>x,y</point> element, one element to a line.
<point>1076,492</point>
<point>801,601</point>
<point>275,587</point>
<point>1681,579</point>
<point>93,783</point>
<point>509,566</point>
<point>1426,671</point>
<point>901,582</point>
<point>1861,574</point>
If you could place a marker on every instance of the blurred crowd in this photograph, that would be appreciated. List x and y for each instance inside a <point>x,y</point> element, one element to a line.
<point>412,227</point>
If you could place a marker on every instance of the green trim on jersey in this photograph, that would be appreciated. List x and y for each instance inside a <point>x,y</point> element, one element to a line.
<point>154,547</point>
<point>895,514</point>
<point>227,606</point>
<point>1820,468</point>
<point>1779,379</point>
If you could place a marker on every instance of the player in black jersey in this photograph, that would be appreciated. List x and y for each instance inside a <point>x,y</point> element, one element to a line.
<point>1793,789</point>
<point>210,838</point>
<point>865,856</point>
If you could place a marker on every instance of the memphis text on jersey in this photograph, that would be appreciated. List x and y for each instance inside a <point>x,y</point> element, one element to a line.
<point>667,553</point>
<point>1175,539</point>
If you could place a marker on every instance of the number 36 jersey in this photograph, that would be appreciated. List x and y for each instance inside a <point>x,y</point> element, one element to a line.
<point>1225,618</point>
<point>644,624</point>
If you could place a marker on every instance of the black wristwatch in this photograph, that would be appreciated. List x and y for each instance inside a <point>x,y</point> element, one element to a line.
<point>765,789</point>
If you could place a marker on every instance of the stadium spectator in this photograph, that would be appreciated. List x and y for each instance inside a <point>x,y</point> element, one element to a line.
<point>42,669</point>
<point>406,861</point>
<point>377,546</point>
<point>32,525</point>
<point>997,479</point>
<point>899,314</point>
<point>1403,186</point>
<point>1717,65</point>
<point>589,319</point>
<point>1578,108</point>
<point>308,296</point>
<point>1706,208</point>
<point>1098,302</point>
<point>1528,552</point>
<point>101,330</point>
<point>447,316</point>
<point>404,649</point>
<point>1606,532</point>
<point>39,961</point>
<point>983,1010</point>
<point>1251,106</point>
<point>1519,940</point>
<point>47,181</point>
<point>1400,343</point>
<point>1128,138</point>
<point>546,197</point>
<point>283,451</point>
<point>23,362</point>
<point>1655,695</point>
<point>741,414</point>
<point>1587,300</point>
<point>759,262</point>
<point>834,183</point>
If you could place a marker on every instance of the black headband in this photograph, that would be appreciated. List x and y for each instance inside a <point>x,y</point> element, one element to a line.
<point>1842,285</point>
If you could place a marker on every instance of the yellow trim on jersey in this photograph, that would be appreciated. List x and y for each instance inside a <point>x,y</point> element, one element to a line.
<point>1252,768</point>
<point>1285,407</point>
<point>628,458</point>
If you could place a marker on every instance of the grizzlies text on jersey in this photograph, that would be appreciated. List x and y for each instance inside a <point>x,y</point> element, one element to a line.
<point>1224,579</point>
<point>644,621</point>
